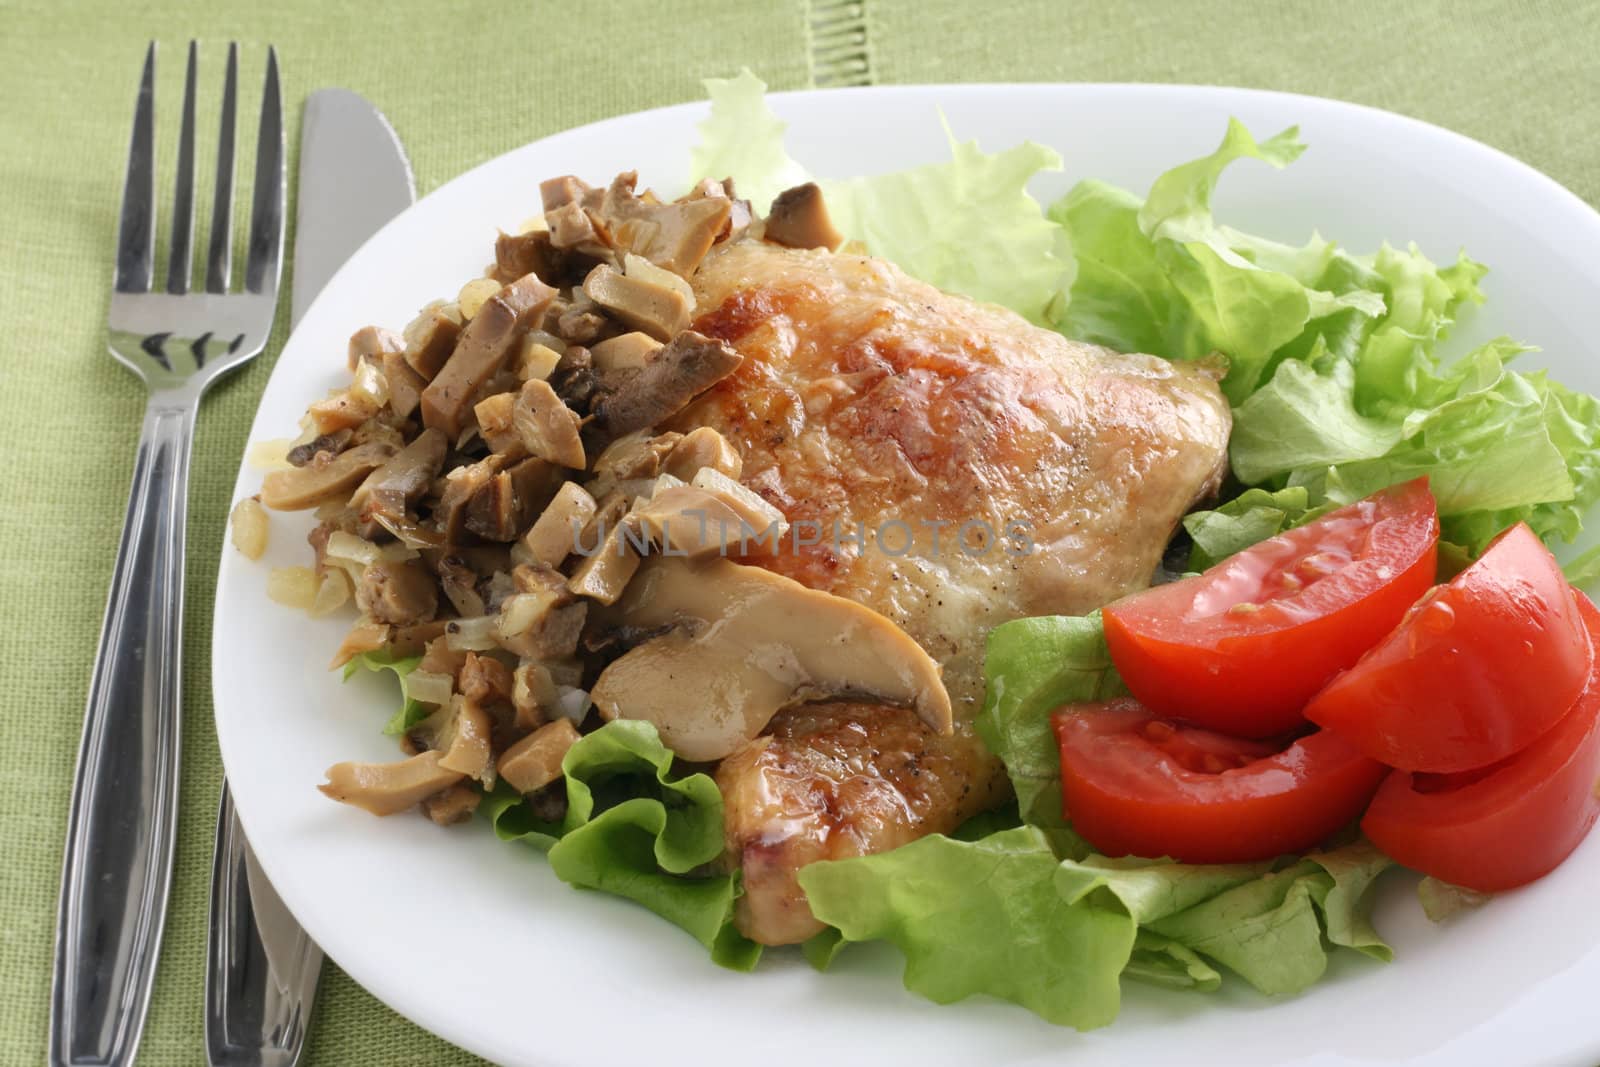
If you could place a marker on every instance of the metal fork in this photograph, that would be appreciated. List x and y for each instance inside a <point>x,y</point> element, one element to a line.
<point>117,870</point>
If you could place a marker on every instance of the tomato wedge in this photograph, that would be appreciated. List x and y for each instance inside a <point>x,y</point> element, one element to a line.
<point>1242,647</point>
<point>1476,671</point>
<point>1133,783</point>
<point>1505,826</point>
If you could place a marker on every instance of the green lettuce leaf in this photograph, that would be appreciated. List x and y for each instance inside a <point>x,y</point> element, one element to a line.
<point>1254,515</point>
<point>743,139</point>
<point>1034,666</point>
<point>636,828</point>
<point>411,711</point>
<point>982,917</point>
<point>967,225</point>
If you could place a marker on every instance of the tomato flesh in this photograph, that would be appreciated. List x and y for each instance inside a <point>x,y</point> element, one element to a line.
<point>1242,647</point>
<point>1474,673</point>
<point>1505,826</point>
<point>1134,783</point>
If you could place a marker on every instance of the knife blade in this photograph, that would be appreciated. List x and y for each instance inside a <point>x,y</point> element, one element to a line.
<point>262,969</point>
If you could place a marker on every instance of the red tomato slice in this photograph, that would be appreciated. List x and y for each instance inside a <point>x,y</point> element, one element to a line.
<point>1136,784</point>
<point>1476,671</point>
<point>1242,647</point>
<point>1504,826</point>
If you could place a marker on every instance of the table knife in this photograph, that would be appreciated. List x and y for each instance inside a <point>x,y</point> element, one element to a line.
<point>261,967</point>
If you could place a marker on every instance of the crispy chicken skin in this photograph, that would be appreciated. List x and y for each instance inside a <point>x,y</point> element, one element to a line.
<point>866,397</point>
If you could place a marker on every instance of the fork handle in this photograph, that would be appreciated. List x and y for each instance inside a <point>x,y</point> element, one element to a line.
<point>117,870</point>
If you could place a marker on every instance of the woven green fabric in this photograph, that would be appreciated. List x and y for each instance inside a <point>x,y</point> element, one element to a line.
<point>463,84</point>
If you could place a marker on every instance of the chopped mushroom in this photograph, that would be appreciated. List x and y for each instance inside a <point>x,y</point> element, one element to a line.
<point>530,252</point>
<point>331,443</point>
<point>799,219</point>
<point>542,620</point>
<point>325,477</point>
<point>703,447</point>
<point>547,427</point>
<point>673,236</point>
<point>431,337</point>
<point>686,367</point>
<point>452,805</point>
<point>533,694</point>
<point>553,536</point>
<point>404,476</point>
<point>398,593</point>
<point>747,643</point>
<point>660,311</point>
<point>405,384</point>
<point>604,574</point>
<point>485,344</point>
<point>372,343</point>
<point>501,508</point>
<point>535,761</point>
<point>484,679</point>
<point>627,351</point>
<point>386,788</point>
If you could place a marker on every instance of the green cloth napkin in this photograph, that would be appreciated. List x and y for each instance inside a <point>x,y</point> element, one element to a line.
<point>461,85</point>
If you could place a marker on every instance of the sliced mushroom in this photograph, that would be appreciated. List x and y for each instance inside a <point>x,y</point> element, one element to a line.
<point>535,761</point>
<point>406,641</point>
<point>439,658</point>
<point>714,515</point>
<point>627,351</point>
<point>397,593</point>
<point>700,448</point>
<point>485,344</point>
<point>604,573</point>
<point>547,427</point>
<point>460,732</point>
<point>386,788</point>
<point>365,636</point>
<point>660,311</point>
<point>553,536</point>
<point>799,219</point>
<point>690,364</point>
<point>749,643</point>
<point>327,476</point>
<point>431,337</point>
<point>450,806</point>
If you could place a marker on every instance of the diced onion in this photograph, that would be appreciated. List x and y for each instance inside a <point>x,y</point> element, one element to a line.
<point>294,587</point>
<point>429,687</point>
<point>271,454</point>
<point>332,593</point>
<point>369,384</point>
<point>475,294</point>
<point>476,634</point>
<point>248,528</point>
<point>349,547</point>
<point>532,224</point>
<point>572,703</point>
<point>536,359</point>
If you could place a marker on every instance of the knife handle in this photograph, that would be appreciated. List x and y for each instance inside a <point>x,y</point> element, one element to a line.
<point>261,968</point>
<point>117,869</point>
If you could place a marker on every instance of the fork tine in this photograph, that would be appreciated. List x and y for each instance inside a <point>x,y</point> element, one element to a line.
<point>218,259</point>
<point>267,208</point>
<point>136,232</point>
<point>183,199</point>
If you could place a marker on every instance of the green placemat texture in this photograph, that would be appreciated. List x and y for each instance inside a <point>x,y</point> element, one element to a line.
<point>463,83</point>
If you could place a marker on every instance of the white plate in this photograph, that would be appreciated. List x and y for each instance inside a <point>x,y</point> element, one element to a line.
<point>477,941</point>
